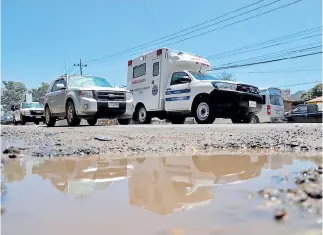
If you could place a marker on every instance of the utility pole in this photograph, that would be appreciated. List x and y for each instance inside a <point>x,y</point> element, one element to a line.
<point>81,66</point>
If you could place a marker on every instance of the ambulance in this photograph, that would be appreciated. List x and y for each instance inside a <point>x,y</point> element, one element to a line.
<point>174,85</point>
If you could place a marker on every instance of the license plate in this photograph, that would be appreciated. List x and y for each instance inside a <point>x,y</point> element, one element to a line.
<point>113,105</point>
<point>38,116</point>
<point>253,104</point>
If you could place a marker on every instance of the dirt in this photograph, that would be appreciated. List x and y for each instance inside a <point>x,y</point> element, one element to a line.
<point>161,139</point>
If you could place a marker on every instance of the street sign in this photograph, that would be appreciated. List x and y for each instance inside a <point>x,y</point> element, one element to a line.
<point>285,93</point>
<point>29,98</point>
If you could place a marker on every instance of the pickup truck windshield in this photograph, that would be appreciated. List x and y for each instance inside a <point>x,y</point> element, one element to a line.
<point>87,81</point>
<point>203,76</point>
<point>31,105</point>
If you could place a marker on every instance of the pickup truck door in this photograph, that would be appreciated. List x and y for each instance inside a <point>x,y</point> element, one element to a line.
<point>178,93</point>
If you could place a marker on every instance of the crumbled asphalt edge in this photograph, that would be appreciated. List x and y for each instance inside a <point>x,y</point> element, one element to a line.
<point>80,141</point>
<point>307,194</point>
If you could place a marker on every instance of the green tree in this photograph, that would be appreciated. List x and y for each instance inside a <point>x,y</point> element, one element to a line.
<point>39,93</point>
<point>316,91</point>
<point>13,92</point>
<point>225,76</point>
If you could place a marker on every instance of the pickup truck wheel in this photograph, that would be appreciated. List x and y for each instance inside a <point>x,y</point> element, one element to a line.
<point>124,121</point>
<point>37,123</point>
<point>177,119</point>
<point>72,119</point>
<point>92,122</point>
<point>253,119</point>
<point>203,112</point>
<point>14,121</point>
<point>22,120</point>
<point>49,120</point>
<point>143,115</point>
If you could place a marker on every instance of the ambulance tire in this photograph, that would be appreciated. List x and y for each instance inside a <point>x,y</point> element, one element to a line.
<point>203,111</point>
<point>142,115</point>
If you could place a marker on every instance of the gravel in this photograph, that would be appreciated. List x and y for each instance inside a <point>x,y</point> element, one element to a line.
<point>162,139</point>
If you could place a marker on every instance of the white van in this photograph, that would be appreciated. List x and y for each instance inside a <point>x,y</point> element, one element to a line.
<point>171,84</point>
<point>272,106</point>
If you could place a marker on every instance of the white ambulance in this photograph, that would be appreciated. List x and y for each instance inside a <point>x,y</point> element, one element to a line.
<point>171,84</point>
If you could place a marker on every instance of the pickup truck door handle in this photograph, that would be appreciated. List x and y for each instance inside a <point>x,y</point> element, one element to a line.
<point>168,89</point>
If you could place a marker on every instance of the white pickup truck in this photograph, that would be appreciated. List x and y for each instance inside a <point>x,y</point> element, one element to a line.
<point>175,85</point>
<point>28,112</point>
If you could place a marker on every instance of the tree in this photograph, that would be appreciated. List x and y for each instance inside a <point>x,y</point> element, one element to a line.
<point>225,76</point>
<point>316,91</point>
<point>39,93</point>
<point>13,92</point>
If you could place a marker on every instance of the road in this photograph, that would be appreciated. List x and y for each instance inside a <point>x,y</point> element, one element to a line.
<point>164,139</point>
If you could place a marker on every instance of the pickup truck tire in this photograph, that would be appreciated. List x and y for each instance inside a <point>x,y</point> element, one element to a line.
<point>176,119</point>
<point>124,121</point>
<point>22,120</point>
<point>142,115</point>
<point>92,122</point>
<point>253,119</point>
<point>49,120</point>
<point>14,121</point>
<point>72,118</point>
<point>203,111</point>
<point>37,123</point>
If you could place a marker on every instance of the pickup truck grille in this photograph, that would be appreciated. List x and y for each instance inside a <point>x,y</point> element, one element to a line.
<point>110,96</point>
<point>38,112</point>
<point>247,88</point>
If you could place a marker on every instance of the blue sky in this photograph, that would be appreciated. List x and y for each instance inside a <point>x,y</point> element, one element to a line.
<point>38,36</point>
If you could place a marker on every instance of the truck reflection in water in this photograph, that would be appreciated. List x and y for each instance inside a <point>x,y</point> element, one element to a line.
<point>81,176</point>
<point>165,185</point>
<point>13,170</point>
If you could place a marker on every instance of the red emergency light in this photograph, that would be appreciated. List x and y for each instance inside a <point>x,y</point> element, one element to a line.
<point>159,52</point>
<point>129,62</point>
<point>268,110</point>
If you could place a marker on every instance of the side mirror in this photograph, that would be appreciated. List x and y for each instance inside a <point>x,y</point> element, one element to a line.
<point>60,87</point>
<point>185,79</point>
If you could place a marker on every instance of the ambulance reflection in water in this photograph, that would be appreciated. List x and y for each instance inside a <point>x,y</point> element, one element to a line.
<point>77,177</point>
<point>166,185</point>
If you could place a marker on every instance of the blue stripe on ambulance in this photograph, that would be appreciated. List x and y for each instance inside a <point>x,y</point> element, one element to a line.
<point>177,98</point>
<point>177,92</point>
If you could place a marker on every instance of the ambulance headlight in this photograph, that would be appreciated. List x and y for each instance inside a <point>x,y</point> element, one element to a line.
<point>129,96</point>
<point>224,86</point>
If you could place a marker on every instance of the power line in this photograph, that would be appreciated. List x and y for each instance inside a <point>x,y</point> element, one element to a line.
<point>266,61</point>
<point>219,28</point>
<point>264,47</point>
<point>279,71</point>
<point>299,84</point>
<point>289,51</point>
<point>282,38</point>
<point>176,33</point>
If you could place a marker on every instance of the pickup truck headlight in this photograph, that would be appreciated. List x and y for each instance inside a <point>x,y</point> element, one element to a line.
<point>224,86</point>
<point>129,96</point>
<point>86,94</point>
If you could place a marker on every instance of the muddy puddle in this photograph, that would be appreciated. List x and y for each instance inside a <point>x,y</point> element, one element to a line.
<point>178,195</point>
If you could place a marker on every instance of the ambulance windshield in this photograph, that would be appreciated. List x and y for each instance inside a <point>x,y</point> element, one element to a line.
<point>203,76</point>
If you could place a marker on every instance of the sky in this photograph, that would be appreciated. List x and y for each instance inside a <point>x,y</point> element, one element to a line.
<point>39,37</point>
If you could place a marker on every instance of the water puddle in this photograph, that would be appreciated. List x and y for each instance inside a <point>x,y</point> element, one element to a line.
<point>178,195</point>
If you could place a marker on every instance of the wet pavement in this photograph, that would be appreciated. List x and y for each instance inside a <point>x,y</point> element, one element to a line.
<point>179,195</point>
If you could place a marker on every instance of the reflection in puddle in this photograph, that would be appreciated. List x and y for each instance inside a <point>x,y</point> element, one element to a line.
<point>199,195</point>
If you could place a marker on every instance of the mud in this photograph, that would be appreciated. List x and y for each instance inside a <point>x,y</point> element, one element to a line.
<point>219,194</point>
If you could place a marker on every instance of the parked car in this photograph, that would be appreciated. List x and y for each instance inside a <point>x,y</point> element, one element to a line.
<point>76,97</point>
<point>8,118</point>
<point>28,112</point>
<point>305,113</point>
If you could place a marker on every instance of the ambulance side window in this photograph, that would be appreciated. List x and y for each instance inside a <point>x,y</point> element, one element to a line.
<point>155,69</point>
<point>139,71</point>
<point>176,78</point>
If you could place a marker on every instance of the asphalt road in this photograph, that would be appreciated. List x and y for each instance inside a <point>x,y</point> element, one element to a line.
<point>164,139</point>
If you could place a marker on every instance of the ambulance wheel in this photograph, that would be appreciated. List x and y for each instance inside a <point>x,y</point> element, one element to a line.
<point>142,115</point>
<point>203,111</point>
